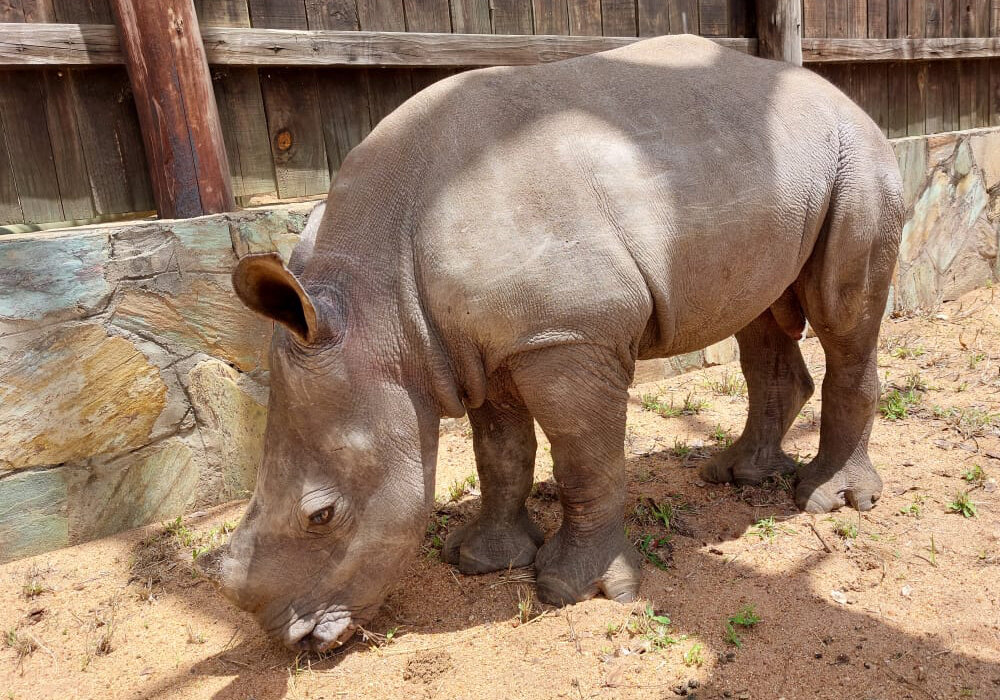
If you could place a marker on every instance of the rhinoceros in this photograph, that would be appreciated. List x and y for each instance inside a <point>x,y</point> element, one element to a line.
<point>507,244</point>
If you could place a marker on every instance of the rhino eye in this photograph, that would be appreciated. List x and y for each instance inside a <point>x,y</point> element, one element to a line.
<point>321,517</point>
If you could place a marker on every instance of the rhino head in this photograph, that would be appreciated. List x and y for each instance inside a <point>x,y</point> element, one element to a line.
<point>346,479</point>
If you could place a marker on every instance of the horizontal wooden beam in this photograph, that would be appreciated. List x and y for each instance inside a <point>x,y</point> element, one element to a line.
<point>865,50</point>
<point>23,45</point>
<point>72,45</point>
<point>279,47</point>
<point>40,44</point>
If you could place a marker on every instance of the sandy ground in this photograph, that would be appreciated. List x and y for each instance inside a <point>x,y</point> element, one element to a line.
<point>901,602</point>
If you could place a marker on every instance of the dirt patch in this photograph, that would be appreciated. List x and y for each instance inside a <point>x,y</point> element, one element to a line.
<point>743,597</point>
<point>425,666</point>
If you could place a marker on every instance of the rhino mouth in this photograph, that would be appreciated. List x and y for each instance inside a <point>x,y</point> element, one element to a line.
<point>320,632</point>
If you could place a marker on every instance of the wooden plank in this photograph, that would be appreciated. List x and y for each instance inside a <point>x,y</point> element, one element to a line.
<point>511,16</point>
<point>10,204</point>
<point>778,30</point>
<point>387,89</point>
<point>973,86</point>
<point>278,14</point>
<point>916,99</point>
<point>857,19</point>
<point>112,143</point>
<point>814,18</point>
<point>585,17</point>
<point>878,19</point>
<point>951,17</point>
<point>83,11</point>
<point>836,18</point>
<point>427,15</point>
<point>917,19</point>
<point>67,151</point>
<point>381,15</point>
<point>994,93</point>
<point>851,50</point>
<point>949,93</point>
<point>177,110</point>
<point>878,94</point>
<point>551,16</point>
<point>896,24</point>
<point>618,18</point>
<point>222,13</point>
<point>933,24</point>
<point>276,47</point>
<point>896,97</point>
<point>343,95</point>
<point>473,16</point>
<point>685,17</point>
<point>59,44</point>
<point>742,14</point>
<point>994,17</point>
<point>975,18</point>
<point>332,14</point>
<point>22,106</point>
<point>653,17</point>
<point>713,17</point>
<point>935,121</point>
<point>244,126</point>
<point>295,131</point>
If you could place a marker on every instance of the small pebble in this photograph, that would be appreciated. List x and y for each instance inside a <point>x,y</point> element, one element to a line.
<point>693,683</point>
<point>817,655</point>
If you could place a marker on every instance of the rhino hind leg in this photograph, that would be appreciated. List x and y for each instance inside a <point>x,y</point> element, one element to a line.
<point>778,385</point>
<point>502,535</point>
<point>843,289</point>
<point>578,394</point>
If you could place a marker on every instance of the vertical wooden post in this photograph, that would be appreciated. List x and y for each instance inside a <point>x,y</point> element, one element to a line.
<point>779,30</point>
<point>161,42</point>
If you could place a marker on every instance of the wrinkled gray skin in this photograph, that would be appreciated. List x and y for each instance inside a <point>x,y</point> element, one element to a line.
<point>508,243</point>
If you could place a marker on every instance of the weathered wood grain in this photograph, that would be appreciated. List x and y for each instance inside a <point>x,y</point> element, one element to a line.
<point>112,143</point>
<point>653,17</point>
<point>896,23</point>
<point>779,30</point>
<point>511,16</point>
<point>10,204</point>
<point>295,129</point>
<point>244,127</point>
<point>427,15</point>
<point>22,110</point>
<point>471,16</point>
<point>346,115</point>
<point>713,17</point>
<point>551,16</point>
<point>618,18</point>
<point>878,19</point>
<point>813,18</point>
<point>896,97</point>
<point>381,15</point>
<point>849,50</point>
<point>67,151</point>
<point>222,13</point>
<point>684,17</point>
<point>332,14</point>
<point>278,14</point>
<point>916,99</point>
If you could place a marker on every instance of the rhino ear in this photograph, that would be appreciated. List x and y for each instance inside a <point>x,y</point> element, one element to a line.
<point>266,286</point>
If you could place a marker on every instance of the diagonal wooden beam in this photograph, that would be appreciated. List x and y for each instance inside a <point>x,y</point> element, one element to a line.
<point>167,67</point>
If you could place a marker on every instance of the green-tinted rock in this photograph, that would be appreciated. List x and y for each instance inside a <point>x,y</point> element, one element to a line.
<point>203,316</point>
<point>133,492</point>
<point>32,513</point>
<point>46,275</point>
<point>232,425</point>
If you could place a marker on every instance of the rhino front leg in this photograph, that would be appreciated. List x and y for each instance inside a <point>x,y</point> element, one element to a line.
<point>578,394</point>
<point>778,385</point>
<point>503,534</point>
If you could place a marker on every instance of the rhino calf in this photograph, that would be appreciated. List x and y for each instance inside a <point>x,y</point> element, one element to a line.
<point>508,243</point>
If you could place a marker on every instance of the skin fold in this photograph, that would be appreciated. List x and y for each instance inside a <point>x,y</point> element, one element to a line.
<point>508,243</point>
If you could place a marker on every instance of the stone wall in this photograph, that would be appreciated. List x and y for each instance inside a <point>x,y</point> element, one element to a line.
<point>133,384</point>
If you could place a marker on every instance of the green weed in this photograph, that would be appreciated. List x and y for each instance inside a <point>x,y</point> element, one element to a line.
<point>746,618</point>
<point>963,505</point>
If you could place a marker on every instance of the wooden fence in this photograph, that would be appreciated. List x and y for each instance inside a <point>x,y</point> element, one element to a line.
<point>299,83</point>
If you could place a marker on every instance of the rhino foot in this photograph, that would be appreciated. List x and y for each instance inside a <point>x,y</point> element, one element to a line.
<point>746,463</point>
<point>822,489</point>
<point>486,545</point>
<point>573,573</point>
